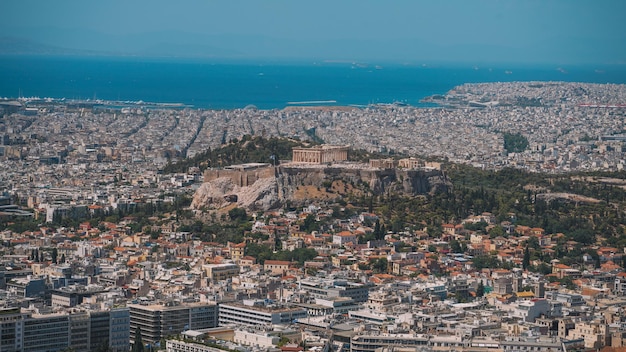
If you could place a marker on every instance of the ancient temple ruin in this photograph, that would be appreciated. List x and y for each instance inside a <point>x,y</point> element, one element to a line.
<point>320,154</point>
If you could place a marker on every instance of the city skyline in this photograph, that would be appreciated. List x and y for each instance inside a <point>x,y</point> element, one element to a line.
<point>564,32</point>
<point>277,175</point>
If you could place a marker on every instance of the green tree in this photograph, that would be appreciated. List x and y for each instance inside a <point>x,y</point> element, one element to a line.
<point>138,344</point>
<point>282,342</point>
<point>477,226</point>
<point>55,254</point>
<point>486,261</point>
<point>381,234</point>
<point>533,242</point>
<point>380,265</point>
<point>515,142</point>
<point>310,224</point>
<point>236,214</point>
<point>544,269</point>
<point>568,283</point>
<point>496,231</point>
<point>582,236</point>
<point>526,260</point>
<point>364,266</point>
<point>377,232</point>
<point>103,347</point>
<point>455,246</point>
<point>480,290</point>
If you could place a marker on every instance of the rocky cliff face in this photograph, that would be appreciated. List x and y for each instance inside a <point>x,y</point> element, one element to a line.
<point>222,192</point>
<point>272,191</point>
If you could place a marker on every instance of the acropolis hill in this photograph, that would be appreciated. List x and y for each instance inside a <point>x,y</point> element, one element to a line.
<point>310,175</point>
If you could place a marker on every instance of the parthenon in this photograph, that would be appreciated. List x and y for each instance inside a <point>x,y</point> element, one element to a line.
<point>320,154</point>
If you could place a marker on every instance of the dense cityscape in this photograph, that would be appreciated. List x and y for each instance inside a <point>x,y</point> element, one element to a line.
<point>104,251</point>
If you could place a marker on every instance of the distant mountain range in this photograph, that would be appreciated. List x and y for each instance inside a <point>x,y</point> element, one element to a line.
<point>55,41</point>
<point>21,46</point>
<point>60,41</point>
<point>18,46</point>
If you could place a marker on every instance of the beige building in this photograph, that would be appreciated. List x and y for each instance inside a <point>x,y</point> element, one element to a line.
<point>276,267</point>
<point>260,339</point>
<point>237,251</point>
<point>320,154</point>
<point>595,334</point>
<point>344,237</point>
<point>382,300</point>
<point>218,272</point>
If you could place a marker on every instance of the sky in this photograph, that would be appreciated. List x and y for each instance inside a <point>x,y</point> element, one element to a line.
<point>524,31</point>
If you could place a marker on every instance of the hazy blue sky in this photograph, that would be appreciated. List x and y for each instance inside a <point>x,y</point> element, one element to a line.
<point>555,31</point>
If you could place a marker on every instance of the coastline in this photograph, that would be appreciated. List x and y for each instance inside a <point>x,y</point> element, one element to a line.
<point>226,86</point>
<point>469,130</point>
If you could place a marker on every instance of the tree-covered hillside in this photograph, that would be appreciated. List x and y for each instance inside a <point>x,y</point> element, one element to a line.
<point>584,207</point>
<point>254,150</point>
<point>247,150</point>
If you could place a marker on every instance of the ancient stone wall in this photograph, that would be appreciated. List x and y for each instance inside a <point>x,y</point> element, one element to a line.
<point>240,177</point>
<point>267,187</point>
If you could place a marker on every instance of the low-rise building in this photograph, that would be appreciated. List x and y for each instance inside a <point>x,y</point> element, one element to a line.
<point>276,267</point>
<point>219,272</point>
<point>256,312</point>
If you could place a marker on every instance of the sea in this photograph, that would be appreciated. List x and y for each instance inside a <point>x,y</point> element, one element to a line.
<point>231,84</point>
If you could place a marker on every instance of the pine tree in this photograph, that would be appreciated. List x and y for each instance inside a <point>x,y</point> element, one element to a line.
<point>103,347</point>
<point>377,229</point>
<point>138,344</point>
<point>383,231</point>
<point>480,290</point>
<point>526,260</point>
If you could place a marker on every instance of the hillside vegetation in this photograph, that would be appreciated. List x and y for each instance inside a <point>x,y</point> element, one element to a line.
<point>592,212</point>
<point>585,207</point>
<point>253,149</point>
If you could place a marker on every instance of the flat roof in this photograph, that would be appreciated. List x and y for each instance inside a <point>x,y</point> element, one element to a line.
<point>160,307</point>
<point>266,309</point>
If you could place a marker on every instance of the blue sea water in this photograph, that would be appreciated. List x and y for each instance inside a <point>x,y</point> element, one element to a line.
<point>225,85</point>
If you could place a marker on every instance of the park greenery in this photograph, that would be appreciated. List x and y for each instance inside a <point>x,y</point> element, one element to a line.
<point>515,142</point>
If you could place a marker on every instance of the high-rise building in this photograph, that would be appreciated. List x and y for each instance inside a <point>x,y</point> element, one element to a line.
<point>119,329</point>
<point>110,328</point>
<point>158,321</point>
<point>79,330</point>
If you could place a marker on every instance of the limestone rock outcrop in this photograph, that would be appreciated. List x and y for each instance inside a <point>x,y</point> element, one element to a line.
<point>269,187</point>
<point>222,192</point>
